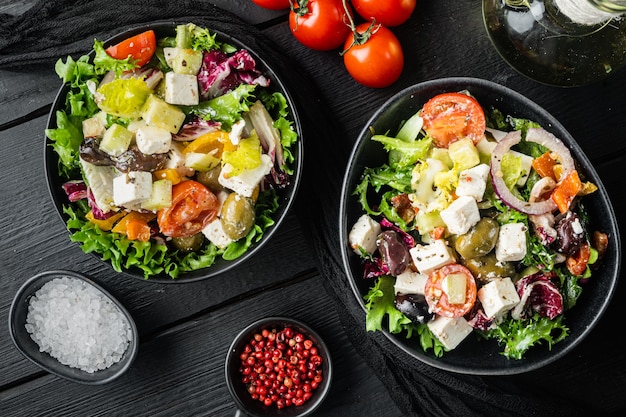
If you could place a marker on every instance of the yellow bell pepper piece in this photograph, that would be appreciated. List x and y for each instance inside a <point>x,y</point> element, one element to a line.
<point>106,224</point>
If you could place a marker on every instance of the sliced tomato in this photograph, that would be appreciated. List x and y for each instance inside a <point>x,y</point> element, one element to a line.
<point>449,117</point>
<point>140,47</point>
<point>193,207</point>
<point>437,298</point>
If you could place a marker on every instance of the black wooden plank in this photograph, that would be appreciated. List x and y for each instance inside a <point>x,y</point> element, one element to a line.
<point>184,367</point>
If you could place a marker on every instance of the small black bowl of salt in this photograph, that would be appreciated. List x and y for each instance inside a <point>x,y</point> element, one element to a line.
<point>70,326</point>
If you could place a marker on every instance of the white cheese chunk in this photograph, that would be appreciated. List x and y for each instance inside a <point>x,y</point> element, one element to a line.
<point>95,126</point>
<point>427,258</point>
<point>247,180</point>
<point>181,89</point>
<point>473,181</point>
<point>498,296</point>
<point>214,231</point>
<point>152,140</point>
<point>175,156</point>
<point>132,188</point>
<point>511,243</point>
<point>450,331</point>
<point>363,234</point>
<point>410,282</point>
<point>461,215</point>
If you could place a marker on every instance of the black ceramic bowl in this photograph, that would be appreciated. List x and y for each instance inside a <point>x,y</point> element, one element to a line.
<point>286,196</point>
<point>246,406</point>
<point>473,356</point>
<point>29,348</point>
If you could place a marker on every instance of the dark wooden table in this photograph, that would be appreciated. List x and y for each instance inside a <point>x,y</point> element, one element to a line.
<point>185,330</point>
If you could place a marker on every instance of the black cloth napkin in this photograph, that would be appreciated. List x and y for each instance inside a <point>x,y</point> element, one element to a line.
<point>53,29</point>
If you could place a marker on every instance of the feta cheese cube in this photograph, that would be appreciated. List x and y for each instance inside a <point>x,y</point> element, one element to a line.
<point>95,126</point>
<point>410,282</point>
<point>461,215</point>
<point>498,296</point>
<point>245,183</point>
<point>473,181</point>
<point>151,139</point>
<point>175,156</point>
<point>181,89</point>
<point>511,243</point>
<point>427,258</point>
<point>132,188</point>
<point>363,234</point>
<point>214,231</point>
<point>450,331</point>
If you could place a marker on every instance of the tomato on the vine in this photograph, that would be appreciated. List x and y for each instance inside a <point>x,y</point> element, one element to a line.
<point>449,117</point>
<point>436,297</point>
<point>320,24</point>
<point>193,207</point>
<point>376,61</point>
<point>273,4</point>
<point>388,12</point>
<point>140,47</point>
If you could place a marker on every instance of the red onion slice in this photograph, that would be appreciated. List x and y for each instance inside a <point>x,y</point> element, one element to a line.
<point>541,137</point>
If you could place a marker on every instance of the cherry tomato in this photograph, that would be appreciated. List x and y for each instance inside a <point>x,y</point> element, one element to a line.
<point>193,207</point>
<point>273,4</point>
<point>320,24</point>
<point>388,12</point>
<point>140,47</point>
<point>449,117</point>
<point>376,63</point>
<point>437,298</point>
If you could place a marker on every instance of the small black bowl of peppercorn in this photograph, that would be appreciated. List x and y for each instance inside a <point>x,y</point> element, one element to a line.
<point>278,366</point>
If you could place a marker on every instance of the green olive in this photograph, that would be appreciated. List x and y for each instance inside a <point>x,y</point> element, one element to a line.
<point>210,179</point>
<point>188,244</point>
<point>479,241</point>
<point>488,267</point>
<point>237,216</point>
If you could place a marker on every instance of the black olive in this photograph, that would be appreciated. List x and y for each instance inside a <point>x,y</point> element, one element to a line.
<point>570,233</point>
<point>413,306</point>
<point>393,251</point>
<point>135,160</point>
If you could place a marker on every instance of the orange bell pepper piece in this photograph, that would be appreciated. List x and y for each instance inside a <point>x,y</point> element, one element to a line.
<point>566,190</point>
<point>106,224</point>
<point>135,226</point>
<point>167,174</point>
<point>544,165</point>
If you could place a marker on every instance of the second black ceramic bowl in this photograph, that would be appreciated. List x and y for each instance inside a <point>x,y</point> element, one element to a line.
<point>246,405</point>
<point>474,356</point>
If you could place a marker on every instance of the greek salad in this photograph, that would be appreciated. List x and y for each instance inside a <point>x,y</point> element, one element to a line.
<point>173,151</point>
<point>475,225</point>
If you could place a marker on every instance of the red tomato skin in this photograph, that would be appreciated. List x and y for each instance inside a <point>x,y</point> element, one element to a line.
<point>389,13</point>
<point>377,63</point>
<point>273,4</point>
<point>141,47</point>
<point>324,27</point>
<point>438,300</point>
<point>193,207</point>
<point>449,117</point>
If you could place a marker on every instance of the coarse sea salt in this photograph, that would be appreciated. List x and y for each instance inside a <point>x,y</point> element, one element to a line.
<point>78,325</point>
